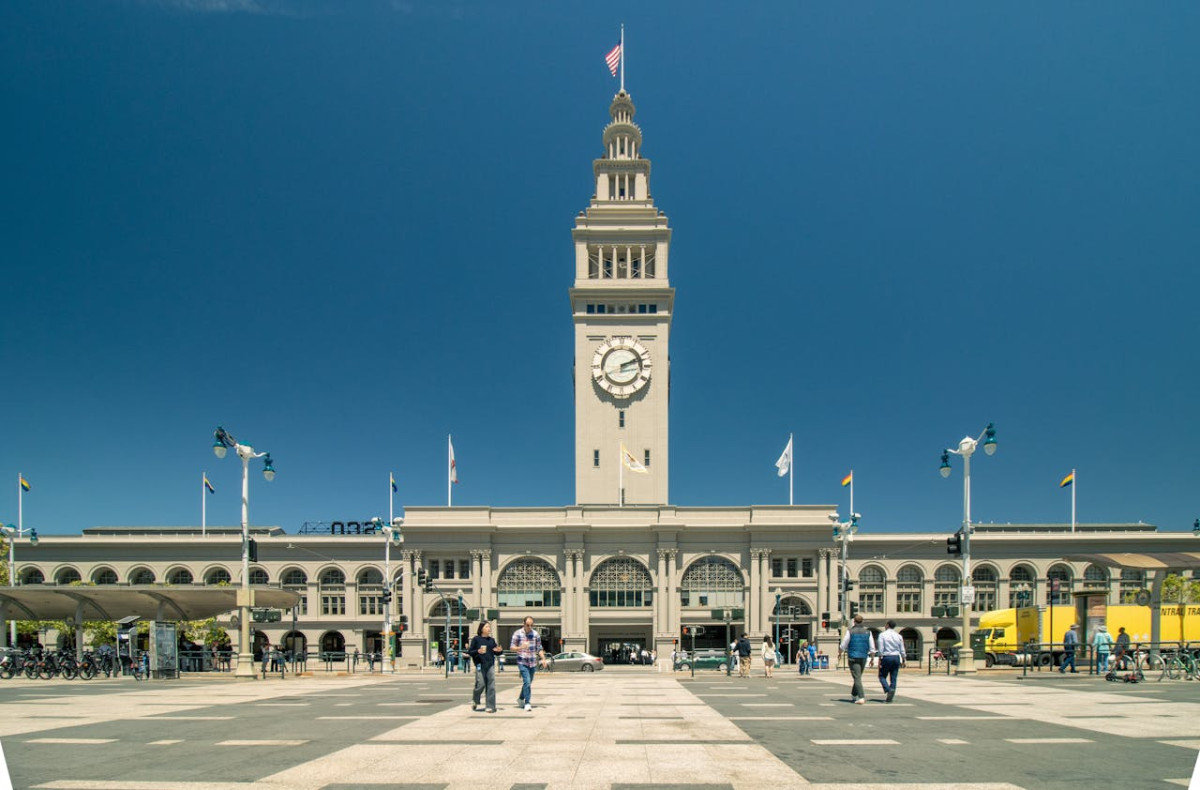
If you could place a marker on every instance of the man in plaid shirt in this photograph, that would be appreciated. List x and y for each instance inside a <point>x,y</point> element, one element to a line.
<point>528,644</point>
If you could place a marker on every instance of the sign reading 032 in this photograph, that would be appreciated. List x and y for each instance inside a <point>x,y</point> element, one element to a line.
<point>621,366</point>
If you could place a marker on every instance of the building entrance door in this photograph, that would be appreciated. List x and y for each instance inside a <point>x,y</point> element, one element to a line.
<point>791,636</point>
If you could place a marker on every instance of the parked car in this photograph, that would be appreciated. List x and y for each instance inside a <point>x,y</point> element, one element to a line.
<point>702,659</point>
<point>575,662</point>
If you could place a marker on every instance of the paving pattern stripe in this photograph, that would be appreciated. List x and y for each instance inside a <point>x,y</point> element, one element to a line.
<point>1049,740</point>
<point>685,742</point>
<point>168,742</point>
<point>779,718</point>
<point>953,741</point>
<point>75,741</point>
<point>262,743</point>
<point>365,718</point>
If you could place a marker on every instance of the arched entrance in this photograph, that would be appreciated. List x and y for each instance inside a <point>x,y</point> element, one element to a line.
<point>710,583</point>
<point>912,644</point>
<point>295,643</point>
<point>333,642</point>
<point>620,594</point>
<point>946,638</point>
<point>260,639</point>
<point>373,642</point>
<point>792,618</point>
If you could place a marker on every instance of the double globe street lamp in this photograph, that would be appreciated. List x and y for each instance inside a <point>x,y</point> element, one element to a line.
<point>222,443</point>
<point>392,534</point>
<point>844,532</point>
<point>12,533</point>
<point>966,448</point>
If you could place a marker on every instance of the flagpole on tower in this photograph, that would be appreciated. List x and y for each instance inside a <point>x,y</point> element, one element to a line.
<point>20,507</point>
<point>791,469</point>
<point>620,447</point>
<point>622,58</point>
<point>203,504</point>
<point>851,493</point>
<point>1073,484</point>
<point>449,470</point>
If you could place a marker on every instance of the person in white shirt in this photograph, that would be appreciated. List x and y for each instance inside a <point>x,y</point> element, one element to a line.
<point>891,658</point>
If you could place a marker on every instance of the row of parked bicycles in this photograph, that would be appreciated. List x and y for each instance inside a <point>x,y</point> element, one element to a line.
<point>1164,664</point>
<point>50,664</point>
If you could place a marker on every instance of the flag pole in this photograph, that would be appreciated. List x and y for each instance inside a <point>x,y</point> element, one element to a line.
<point>203,504</point>
<point>791,468</point>
<point>20,508</point>
<point>391,499</point>
<point>622,58</point>
<point>851,494</point>
<point>620,451</point>
<point>449,472</point>
<point>1074,483</point>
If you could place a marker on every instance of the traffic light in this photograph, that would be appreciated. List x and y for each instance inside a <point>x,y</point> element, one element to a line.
<point>825,623</point>
<point>387,595</point>
<point>675,642</point>
<point>837,533</point>
<point>428,584</point>
<point>687,631</point>
<point>954,545</point>
<point>849,584</point>
<point>252,550</point>
<point>420,578</point>
<point>853,609</point>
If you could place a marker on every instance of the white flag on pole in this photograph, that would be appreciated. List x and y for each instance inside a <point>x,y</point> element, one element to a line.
<point>632,463</point>
<point>784,464</point>
<point>453,465</point>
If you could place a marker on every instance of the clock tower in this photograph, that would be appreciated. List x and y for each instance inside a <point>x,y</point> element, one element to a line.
<point>621,303</point>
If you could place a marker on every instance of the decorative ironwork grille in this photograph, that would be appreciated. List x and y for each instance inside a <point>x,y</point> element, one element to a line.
<point>218,575</point>
<point>621,581</point>
<point>529,582</point>
<point>105,576</point>
<point>712,581</point>
<point>295,576</point>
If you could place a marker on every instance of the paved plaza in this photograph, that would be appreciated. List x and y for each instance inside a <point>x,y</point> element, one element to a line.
<point>622,728</point>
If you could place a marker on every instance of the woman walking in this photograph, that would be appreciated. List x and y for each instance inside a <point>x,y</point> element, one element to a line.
<point>768,655</point>
<point>483,651</point>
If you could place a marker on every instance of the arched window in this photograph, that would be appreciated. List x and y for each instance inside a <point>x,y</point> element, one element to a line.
<point>792,607</point>
<point>1132,580</point>
<point>713,581</point>
<point>104,576</point>
<point>908,589</point>
<point>142,576</point>
<point>1062,574</point>
<point>67,576</point>
<point>438,611</point>
<point>218,576</point>
<point>1021,586</point>
<point>529,582</point>
<point>871,581</point>
<point>945,585</point>
<point>333,592</point>
<point>621,581</point>
<point>296,580</point>
<point>370,592</point>
<point>179,576</point>
<point>259,576</point>
<point>32,576</point>
<point>986,581</point>
<point>1095,576</point>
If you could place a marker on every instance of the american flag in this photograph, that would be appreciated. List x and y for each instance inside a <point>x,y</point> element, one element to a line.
<point>613,59</point>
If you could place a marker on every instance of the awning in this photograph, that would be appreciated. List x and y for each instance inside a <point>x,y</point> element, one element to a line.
<point>1153,561</point>
<point>148,601</point>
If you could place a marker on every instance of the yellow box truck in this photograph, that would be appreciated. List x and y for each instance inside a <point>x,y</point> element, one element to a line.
<point>1008,633</point>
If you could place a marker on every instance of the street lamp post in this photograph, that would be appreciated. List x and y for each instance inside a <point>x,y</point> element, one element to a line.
<point>458,634</point>
<point>778,598</point>
<point>223,441</point>
<point>966,448</point>
<point>392,534</point>
<point>844,532</point>
<point>13,532</point>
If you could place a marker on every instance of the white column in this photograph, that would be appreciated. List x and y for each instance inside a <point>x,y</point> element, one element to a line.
<point>752,602</point>
<point>569,604</point>
<point>764,581</point>
<point>660,595</point>
<point>674,612</point>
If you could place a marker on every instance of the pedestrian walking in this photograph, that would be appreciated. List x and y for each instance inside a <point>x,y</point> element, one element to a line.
<point>530,653</point>
<point>743,655</point>
<point>858,644</point>
<point>1121,649</point>
<point>483,651</point>
<point>802,657</point>
<point>1070,644</point>
<point>891,658</point>
<point>1102,642</point>
<point>768,655</point>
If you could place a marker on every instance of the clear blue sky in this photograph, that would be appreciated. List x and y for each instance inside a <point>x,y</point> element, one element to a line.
<point>342,231</point>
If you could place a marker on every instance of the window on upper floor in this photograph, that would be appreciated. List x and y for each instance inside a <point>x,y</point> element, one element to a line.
<point>621,419</point>
<point>435,569</point>
<point>464,569</point>
<point>646,458</point>
<point>596,459</point>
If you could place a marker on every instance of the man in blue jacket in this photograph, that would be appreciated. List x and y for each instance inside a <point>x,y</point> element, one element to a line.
<point>858,644</point>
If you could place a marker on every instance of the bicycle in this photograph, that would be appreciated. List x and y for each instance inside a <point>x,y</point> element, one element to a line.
<point>1129,665</point>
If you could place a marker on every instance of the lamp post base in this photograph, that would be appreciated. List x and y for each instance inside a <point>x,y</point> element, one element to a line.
<point>245,667</point>
<point>966,662</point>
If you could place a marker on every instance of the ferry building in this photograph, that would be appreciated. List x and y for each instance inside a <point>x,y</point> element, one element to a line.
<point>620,568</point>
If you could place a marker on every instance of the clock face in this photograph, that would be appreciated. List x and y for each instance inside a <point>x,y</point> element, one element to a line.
<point>621,366</point>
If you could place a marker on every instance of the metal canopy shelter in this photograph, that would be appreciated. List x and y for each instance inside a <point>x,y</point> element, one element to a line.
<point>75,604</point>
<point>1158,564</point>
<point>1154,561</point>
